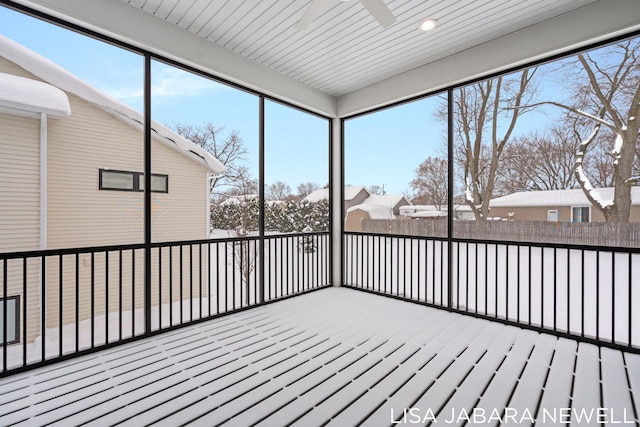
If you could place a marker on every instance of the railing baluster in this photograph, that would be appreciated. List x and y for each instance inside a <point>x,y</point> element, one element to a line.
<point>160,287</point>
<point>171,303</point>
<point>542,287</point>
<point>200,291</point>
<point>582,294</point>
<point>568,290</point>
<point>555,289</point>
<point>106,297</point>
<point>120,278</point>
<point>133,292</point>
<point>24,310</point>
<point>43,307</point>
<point>5,314</point>
<point>597,294</point>
<point>613,297</point>
<point>630,301</point>
<point>209,309</point>
<point>60,304</point>
<point>181,283</point>
<point>93,300</point>
<point>506,281</point>
<point>190,282</point>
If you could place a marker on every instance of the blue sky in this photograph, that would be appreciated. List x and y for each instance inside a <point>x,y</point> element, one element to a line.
<point>297,149</point>
<point>382,148</point>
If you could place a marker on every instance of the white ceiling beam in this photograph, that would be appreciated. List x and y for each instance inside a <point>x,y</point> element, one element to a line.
<point>598,21</point>
<point>135,27</point>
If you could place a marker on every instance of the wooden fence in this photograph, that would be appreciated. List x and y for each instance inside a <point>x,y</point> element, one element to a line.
<point>597,234</point>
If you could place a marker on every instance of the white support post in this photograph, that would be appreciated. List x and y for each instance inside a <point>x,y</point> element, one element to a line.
<point>336,213</point>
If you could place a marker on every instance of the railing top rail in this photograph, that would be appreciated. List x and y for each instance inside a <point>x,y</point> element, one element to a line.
<point>620,249</point>
<point>137,246</point>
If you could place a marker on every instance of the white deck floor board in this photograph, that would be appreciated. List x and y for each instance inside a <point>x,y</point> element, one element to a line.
<point>446,384</point>
<point>335,357</point>
<point>586,388</point>
<point>557,391</point>
<point>530,386</point>
<point>615,387</point>
<point>432,361</point>
<point>632,362</point>
<point>468,393</point>
<point>496,395</point>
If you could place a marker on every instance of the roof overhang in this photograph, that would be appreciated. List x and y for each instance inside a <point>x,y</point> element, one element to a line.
<point>594,22</point>
<point>23,96</point>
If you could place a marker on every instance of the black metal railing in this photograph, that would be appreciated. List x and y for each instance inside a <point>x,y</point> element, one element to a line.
<point>583,292</point>
<point>56,304</point>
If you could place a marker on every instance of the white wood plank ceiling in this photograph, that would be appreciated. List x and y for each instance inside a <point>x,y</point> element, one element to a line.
<point>345,49</point>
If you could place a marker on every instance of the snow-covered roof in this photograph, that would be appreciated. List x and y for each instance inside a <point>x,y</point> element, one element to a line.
<point>59,77</point>
<point>350,192</point>
<point>572,197</point>
<point>238,200</point>
<point>31,96</point>
<point>374,211</point>
<point>429,214</point>
<point>389,200</point>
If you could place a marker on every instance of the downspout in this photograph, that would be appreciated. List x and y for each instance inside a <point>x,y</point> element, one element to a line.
<point>43,226</point>
<point>43,181</point>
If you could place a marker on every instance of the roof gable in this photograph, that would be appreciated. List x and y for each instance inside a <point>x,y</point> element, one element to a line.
<point>55,75</point>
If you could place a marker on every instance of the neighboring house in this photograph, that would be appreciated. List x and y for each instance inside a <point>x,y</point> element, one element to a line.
<point>374,207</point>
<point>71,175</point>
<point>557,205</point>
<point>353,195</point>
<point>355,215</point>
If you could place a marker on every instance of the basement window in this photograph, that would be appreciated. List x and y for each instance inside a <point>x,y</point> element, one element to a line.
<point>12,316</point>
<point>117,180</point>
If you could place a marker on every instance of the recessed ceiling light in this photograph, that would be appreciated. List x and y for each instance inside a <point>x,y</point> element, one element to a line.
<point>428,24</point>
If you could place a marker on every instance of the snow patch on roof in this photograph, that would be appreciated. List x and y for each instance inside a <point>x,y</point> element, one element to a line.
<point>57,76</point>
<point>374,211</point>
<point>572,197</point>
<point>389,200</point>
<point>32,96</point>
<point>350,192</point>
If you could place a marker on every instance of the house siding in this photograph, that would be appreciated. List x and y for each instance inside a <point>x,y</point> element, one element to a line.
<point>20,209</point>
<point>79,214</point>
<point>539,213</point>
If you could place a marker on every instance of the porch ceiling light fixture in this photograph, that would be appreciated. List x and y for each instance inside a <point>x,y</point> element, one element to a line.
<point>428,24</point>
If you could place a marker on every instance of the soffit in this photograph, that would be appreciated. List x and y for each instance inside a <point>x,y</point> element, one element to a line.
<point>345,49</point>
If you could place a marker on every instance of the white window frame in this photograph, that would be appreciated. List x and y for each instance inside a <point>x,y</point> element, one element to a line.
<point>582,221</point>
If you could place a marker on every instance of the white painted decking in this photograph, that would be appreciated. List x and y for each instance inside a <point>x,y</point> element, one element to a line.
<point>335,357</point>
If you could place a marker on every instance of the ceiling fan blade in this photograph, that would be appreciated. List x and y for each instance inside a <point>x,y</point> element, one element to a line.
<point>312,12</point>
<point>380,11</point>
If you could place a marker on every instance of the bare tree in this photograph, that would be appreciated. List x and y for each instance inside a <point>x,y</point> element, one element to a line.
<point>488,110</point>
<point>376,189</point>
<point>229,149</point>
<point>540,161</point>
<point>307,188</point>
<point>607,94</point>
<point>430,185</point>
<point>278,191</point>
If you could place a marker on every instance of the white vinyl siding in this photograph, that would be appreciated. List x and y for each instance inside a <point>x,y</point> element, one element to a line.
<point>80,215</point>
<point>20,207</point>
